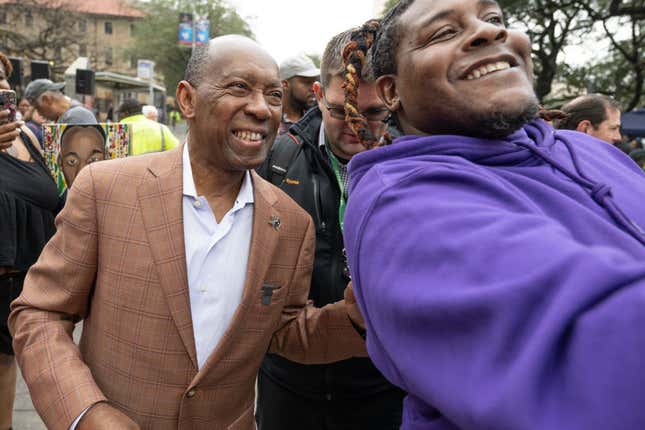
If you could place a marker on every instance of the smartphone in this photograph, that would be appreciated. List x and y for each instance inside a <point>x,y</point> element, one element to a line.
<point>8,102</point>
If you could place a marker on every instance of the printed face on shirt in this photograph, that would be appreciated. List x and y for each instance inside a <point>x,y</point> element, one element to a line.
<point>460,71</point>
<point>237,107</point>
<point>80,146</point>
<point>342,141</point>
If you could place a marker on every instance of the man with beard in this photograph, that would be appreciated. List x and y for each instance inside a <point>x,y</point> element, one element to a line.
<point>498,263</point>
<point>298,75</point>
<point>349,394</point>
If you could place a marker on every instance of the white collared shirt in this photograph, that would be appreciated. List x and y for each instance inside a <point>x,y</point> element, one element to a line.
<point>216,258</point>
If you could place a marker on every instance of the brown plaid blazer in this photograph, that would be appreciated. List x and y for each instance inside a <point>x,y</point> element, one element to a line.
<point>118,262</point>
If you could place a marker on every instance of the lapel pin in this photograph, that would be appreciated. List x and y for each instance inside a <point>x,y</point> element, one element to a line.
<point>275,222</point>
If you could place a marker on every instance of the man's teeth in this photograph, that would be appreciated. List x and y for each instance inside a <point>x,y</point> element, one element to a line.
<point>248,135</point>
<point>487,68</point>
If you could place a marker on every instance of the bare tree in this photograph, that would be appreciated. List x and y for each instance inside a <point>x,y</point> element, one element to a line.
<point>43,30</point>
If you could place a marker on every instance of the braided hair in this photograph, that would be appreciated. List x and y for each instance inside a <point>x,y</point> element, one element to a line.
<point>376,41</point>
<point>382,39</point>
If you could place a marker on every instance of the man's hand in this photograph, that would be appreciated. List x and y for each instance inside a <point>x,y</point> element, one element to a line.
<point>352,310</point>
<point>9,131</point>
<point>102,416</point>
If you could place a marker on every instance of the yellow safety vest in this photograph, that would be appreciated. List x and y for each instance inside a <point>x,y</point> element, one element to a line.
<point>149,136</point>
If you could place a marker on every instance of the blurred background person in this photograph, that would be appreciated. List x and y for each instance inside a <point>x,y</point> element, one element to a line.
<point>35,122</point>
<point>53,105</point>
<point>23,108</point>
<point>150,112</point>
<point>147,135</point>
<point>593,114</point>
<point>29,202</point>
<point>298,75</point>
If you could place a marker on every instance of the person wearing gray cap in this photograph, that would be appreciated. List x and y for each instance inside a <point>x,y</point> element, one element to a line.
<point>298,75</point>
<point>52,104</point>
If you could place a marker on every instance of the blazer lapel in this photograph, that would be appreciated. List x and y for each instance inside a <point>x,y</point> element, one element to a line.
<point>160,199</point>
<point>264,241</point>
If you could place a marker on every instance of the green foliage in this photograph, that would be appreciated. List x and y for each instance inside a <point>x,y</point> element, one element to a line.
<point>156,35</point>
<point>553,25</point>
<point>389,4</point>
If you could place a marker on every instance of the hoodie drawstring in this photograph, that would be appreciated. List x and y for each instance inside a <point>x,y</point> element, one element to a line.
<point>599,192</point>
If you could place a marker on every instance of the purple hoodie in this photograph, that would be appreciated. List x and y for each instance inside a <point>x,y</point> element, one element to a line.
<point>503,281</point>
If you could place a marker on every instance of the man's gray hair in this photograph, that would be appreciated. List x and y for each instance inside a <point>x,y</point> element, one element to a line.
<point>197,64</point>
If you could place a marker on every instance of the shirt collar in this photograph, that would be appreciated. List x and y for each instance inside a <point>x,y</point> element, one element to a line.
<point>243,197</point>
<point>321,135</point>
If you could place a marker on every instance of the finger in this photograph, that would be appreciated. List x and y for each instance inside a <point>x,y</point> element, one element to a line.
<point>6,140</point>
<point>11,126</point>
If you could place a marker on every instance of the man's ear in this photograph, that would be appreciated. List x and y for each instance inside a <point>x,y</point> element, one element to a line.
<point>285,85</point>
<point>386,90</point>
<point>185,97</point>
<point>318,90</point>
<point>584,126</point>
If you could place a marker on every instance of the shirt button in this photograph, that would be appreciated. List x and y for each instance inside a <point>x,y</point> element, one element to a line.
<point>197,203</point>
<point>191,393</point>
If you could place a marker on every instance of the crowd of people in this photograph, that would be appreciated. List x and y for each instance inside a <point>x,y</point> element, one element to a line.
<point>400,238</point>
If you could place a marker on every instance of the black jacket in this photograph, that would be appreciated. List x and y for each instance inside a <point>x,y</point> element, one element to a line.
<point>311,182</point>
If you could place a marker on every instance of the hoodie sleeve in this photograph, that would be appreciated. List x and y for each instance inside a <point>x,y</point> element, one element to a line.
<point>489,312</point>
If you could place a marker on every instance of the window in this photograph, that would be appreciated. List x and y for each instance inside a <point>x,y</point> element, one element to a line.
<point>131,29</point>
<point>82,26</point>
<point>133,62</point>
<point>82,50</point>
<point>29,19</point>
<point>3,16</point>
<point>58,53</point>
<point>108,27</point>
<point>108,56</point>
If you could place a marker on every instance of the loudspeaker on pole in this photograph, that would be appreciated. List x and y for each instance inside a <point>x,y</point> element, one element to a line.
<point>85,81</point>
<point>39,70</point>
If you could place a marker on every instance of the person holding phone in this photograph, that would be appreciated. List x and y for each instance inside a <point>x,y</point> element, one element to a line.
<point>29,202</point>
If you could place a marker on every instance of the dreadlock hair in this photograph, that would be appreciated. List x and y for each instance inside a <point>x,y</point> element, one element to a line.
<point>382,39</point>
<point>376,41</point>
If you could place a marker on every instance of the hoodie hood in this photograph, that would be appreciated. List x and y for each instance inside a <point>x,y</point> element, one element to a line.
<point>535,144</point>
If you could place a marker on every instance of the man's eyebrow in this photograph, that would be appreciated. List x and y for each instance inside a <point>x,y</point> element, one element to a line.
<point>437,17</point>
<point>70,153</point>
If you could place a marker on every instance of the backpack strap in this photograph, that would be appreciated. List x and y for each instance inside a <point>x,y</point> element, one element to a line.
<point>282,155</point>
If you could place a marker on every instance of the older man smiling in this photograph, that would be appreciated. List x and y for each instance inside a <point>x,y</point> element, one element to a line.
<point>186,268</point>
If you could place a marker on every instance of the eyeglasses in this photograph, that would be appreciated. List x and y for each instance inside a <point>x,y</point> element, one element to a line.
<point>371,115</point>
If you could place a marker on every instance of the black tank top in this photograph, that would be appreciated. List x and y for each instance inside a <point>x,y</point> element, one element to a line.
<point>29,202</point>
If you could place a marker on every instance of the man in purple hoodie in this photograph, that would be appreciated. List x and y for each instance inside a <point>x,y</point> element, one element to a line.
<point>499,264</point>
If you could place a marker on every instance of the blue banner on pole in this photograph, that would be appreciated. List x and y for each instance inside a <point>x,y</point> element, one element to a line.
<point>185,34</point>
<point>202,30</point>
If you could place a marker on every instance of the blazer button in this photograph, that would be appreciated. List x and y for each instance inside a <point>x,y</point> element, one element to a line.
<point>191,393</point>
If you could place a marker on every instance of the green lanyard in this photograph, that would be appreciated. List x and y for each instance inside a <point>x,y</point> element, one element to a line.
<point>335,165</point>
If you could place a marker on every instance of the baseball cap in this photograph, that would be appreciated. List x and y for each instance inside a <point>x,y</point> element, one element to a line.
<point>299,65</point>
<point>37,87</point>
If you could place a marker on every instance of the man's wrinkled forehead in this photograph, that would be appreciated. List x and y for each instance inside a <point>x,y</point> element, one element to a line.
<point>244,61</point>
<point>432,10</point>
